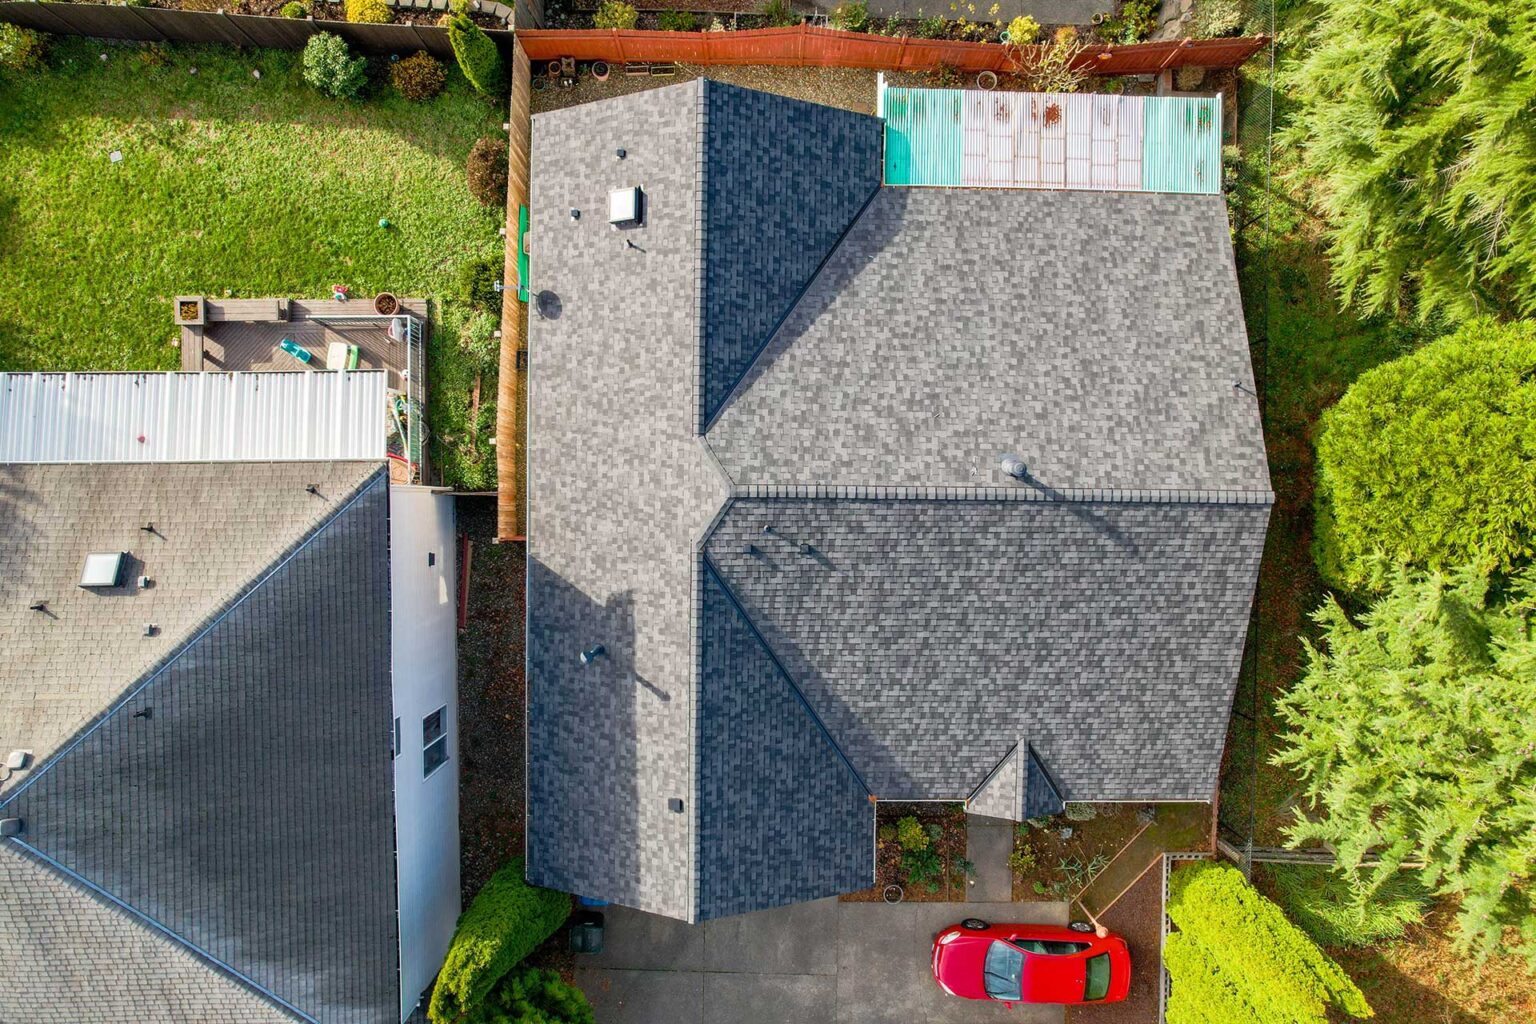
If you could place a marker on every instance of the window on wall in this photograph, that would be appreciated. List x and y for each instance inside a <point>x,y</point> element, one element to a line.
<point>434,741</point>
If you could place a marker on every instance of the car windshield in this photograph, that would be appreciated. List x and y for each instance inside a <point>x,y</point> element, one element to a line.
<point>1004,971</point>
<point>1098,977</point>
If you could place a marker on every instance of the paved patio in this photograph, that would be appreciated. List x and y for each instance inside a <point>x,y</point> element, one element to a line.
<point>826,961</point>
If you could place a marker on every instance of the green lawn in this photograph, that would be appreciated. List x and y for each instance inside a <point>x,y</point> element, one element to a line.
<point>229,184</point>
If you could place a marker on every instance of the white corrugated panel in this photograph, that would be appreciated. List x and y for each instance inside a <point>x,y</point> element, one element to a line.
<point>192,417</point>
<point>1051,140</point>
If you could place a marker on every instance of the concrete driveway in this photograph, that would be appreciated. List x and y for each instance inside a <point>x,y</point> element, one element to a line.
<point>812,963</point>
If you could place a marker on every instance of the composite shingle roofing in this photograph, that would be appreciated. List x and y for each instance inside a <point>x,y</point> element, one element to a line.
<point>193,799</point>
<point>766,499</point>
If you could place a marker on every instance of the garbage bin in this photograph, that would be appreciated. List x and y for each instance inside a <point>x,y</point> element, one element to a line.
<point>587,932</point>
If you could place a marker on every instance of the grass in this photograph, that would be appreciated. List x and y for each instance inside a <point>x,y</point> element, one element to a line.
<point>228,184</point>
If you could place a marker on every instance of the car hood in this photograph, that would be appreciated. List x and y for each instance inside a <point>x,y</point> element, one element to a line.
<point>958,966</point>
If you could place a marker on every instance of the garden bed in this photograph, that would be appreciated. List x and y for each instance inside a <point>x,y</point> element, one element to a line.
<point>919,849</point>
<point>1056,858</point>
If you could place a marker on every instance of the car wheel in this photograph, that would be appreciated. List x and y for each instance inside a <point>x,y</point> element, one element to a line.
<point>1080,926</point>
<point>975,924</point>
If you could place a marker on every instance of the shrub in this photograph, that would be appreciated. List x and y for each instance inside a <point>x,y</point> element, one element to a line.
<point>419,76</point>
<point>1215,18</point>
<point>1081,812</point>
<point>886,833</point>
<point>1023,31</point>
<point>615,14</point>
<point>373,12</point>
<point>932,27</point>
<point>487,171</point>
<point>1137,20</point>
<point>1430,460</point>
<point>1022,859</point>
<point>1338,911</point>
<point>293,9</point>
<point>477,55</point>
<point>676,21</point>
<point>780,14</point>
<point>922,867</point>
<point>475,283</point>
<point>21,49</point>
<point>852,16</point>
<point>1236,957</point>
<point>531,995</point>
<point>507,921</point>
<point>911,835</point>
<point>330,67</point>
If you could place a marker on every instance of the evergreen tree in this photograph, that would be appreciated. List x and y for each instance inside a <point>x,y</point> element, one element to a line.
<point>476,53</point>
<point>1418,122</point>
<point>1415,736</point>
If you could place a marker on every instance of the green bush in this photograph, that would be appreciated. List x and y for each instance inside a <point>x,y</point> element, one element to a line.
<point>1430,460</point>
<point>1336,911</point>
<point>932,27</point>
<point>780,14</point>
<point>21,49</point>
<point>615,14</point>
<point>370,12</point>
<point>910,834</point>
<point>852,16</point>
<point>1236,958</point>
<point>293,9</point>
<point>676,21</point>
<point>531,995</point>
<point>1137,20</point>
<point>1080,812</point>
<point>922,867</point>
<point>1022,859</point>
<point>507,921</point>
<point>419,76</point>
<point>330,67</point>
<point>1214,18</point>
<point>486,171</point>
<point>475,283</point>
<point>477,55</point>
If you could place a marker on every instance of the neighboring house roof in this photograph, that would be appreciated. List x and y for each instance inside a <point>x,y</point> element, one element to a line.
<point>219,792</point>
<point>775,499</point>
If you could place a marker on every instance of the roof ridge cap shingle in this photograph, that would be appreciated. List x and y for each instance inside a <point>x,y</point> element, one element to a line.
<point>1109,495</point>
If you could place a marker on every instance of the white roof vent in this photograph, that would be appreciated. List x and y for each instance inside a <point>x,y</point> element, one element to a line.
<point>102,569</point>
<point>624,206</point>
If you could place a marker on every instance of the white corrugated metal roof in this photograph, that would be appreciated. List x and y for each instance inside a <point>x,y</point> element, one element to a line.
<point>192,417</point>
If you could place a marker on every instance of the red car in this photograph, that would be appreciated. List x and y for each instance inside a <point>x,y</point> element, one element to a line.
<point>1031,963</point>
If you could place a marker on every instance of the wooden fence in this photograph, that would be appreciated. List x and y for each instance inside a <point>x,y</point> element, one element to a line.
<point>805,45</point>
<point>512,383</point>
<point>155,24</point>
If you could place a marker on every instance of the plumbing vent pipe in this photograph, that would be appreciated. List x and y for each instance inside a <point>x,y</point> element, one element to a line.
<point>1014,467</point>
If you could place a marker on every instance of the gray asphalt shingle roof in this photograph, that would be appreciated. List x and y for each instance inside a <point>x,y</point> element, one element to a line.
<point>213,795</point>
<point>838,549</point>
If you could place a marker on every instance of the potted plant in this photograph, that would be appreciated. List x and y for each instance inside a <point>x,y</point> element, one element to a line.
<point>385,304</point>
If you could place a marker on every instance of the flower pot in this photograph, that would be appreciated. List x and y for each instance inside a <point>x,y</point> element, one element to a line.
<point>385,304</point>
<point>892,894</point>
<point>601,70</point>
<point>190,311</point>
<point>987,80</point>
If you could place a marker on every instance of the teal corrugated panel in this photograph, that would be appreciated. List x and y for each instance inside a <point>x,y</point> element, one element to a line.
<point>1181,145</point>
<point>924,136</point>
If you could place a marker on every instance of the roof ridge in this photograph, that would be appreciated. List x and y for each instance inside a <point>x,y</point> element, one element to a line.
<point>216,613</point>
<point>714,572</point>
<point>738,385</point>
<point>1029,492</point>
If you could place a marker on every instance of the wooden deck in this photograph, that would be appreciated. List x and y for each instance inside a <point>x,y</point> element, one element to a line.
<point>244,334</point>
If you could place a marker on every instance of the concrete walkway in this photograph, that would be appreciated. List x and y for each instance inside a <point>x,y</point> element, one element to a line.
<point>813,963</point>
<point>988,844</point>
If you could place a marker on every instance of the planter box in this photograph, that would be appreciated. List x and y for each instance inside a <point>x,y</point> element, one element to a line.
<point>191,311</point>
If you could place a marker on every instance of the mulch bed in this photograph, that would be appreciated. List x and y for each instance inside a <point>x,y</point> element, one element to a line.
<point>1103,836</point>
<point>950,848</point>
<point>491,695</point>
<point>1137,916</point>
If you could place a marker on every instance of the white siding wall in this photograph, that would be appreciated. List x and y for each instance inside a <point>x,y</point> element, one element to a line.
<point>424,624</point>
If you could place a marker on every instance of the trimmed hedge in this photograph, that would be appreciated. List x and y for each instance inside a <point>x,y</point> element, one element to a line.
<point>486,171</point>
<point>1236,958</point>
<point>532,995</point>
<point>507,921</point>
<point>477,55</point>
<point>369,12</point>
<point>330,67</point>
<point>418,77</point>
<point>1429,461</point>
